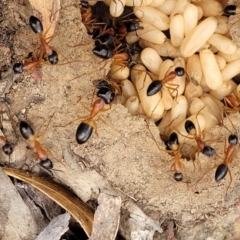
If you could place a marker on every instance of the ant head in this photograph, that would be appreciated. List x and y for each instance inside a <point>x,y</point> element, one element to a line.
<point>209,151</point>
<point>106,39</point>
<point>84,4</point>
<point>107,94</point>
<point>179,71</point>
<point>233,139</point>
<point>53,58</point>
<point>154,87</point>
<point>7,149</point>
<point>47,163</point>
<point>36,24</point>
<point>178,176</point>
<point>18,68</point>
<point>190,127</point>
<point>26,130</point>
<point>221,172</point>
<point>132,26</point>
<point>103,51</point>
<point>230,10</point>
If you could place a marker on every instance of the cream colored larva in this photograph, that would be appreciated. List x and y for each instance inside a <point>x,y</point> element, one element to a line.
<point>117,7</point>
<point>157,3</point>
<point>119,72</point>
<point>138,3</point>
<point>152,105</point>
<point>177,30</point>
<point>132,105</point>
<point>211,72</point>
<point>152,16</point>
<point>196,106</point>
<point>196,39</point>
<point>151,60</point>
<point>167,7</point>
<point>222,43</point>
<point>231,70</point>
<point>150,33</point>
<point>128,90</point>
<point>190,18</point>
<point>194,68</point>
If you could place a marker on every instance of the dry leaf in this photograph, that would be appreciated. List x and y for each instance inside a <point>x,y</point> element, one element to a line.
<point>106,217</point>
<point>48,12</point>
<point>66,199</point>
<point>56,228</point>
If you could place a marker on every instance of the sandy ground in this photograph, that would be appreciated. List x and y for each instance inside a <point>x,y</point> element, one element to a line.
<point>124,153</point>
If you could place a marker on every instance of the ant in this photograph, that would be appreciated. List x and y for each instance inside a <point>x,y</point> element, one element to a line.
<point>85,128</point>
<point>37,27</point>
<point>41,153</point>
<point>205,149</point>
<point>233,103</point>
<point>222,169</point>
<point>157,85</point>
<point>173,146</point>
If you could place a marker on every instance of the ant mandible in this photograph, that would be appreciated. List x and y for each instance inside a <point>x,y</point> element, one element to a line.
<point>41,153</point>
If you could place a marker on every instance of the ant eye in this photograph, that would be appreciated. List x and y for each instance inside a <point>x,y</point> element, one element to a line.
<point>18,68</point>
<point>35,24</point>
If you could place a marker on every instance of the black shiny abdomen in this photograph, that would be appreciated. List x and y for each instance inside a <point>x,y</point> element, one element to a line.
<point>83,133</point>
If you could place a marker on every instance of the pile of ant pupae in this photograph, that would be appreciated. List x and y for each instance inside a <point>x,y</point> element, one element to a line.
<point>184,80</point>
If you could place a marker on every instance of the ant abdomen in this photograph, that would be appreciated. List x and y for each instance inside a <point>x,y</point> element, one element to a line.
<point>36,24</point>
<point>230,10</point>
<point>154,87</point>
<point>84,132</point>
<point>47,163</point>
<point>221,172</point>
<point>26,130</point>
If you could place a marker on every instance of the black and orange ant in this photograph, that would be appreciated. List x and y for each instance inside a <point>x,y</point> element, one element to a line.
<point>41,152</point>
<point>157,85</point>
<point>205,149</point>
<point>86,127</point>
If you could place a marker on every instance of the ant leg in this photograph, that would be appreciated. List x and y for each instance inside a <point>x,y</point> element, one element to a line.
<point>78,118</point>
<point>43,135</point>
<point>230,180</point>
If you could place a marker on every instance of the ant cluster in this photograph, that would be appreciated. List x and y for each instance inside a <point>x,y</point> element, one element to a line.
<point>184,77</point>
<point>42,53</point>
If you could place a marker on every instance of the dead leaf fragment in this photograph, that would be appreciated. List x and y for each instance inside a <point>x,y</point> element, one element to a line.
<point>66,199</point>
<point>48,12</point>
<point>56,228</point>
<point>106,218</point>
